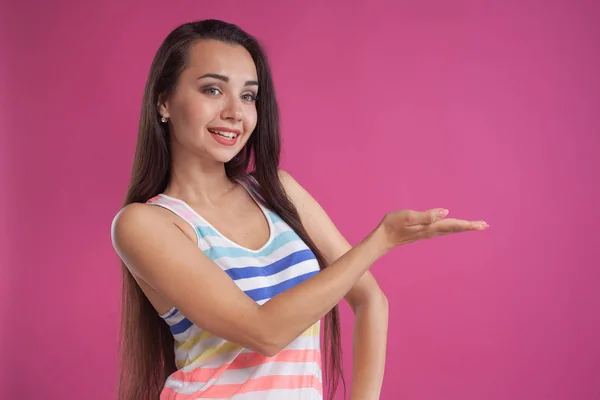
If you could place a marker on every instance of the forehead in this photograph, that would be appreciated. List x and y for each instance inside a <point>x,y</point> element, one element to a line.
<point>212,56</point>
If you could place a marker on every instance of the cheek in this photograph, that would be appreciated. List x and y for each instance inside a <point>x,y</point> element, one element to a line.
<point>193,109</point>
<point>195,112</point>
<point>250,120</point>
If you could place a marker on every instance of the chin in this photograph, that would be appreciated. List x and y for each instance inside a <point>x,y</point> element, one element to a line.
<point>225,156</point>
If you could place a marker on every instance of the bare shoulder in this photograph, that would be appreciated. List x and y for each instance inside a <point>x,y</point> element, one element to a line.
<point>133,218</point>
<point>283,175</point>
<point>292,187</point>
<point>131,214</point>
<point>314,218</point>
<point>134,223</point>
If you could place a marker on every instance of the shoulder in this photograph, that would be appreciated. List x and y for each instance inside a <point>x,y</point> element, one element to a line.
<point>283,175</point>
<point>133,219</point>
<point>290,186</point>
<point>133,215</point>
<point>304,202</point>
<point>289,183</point>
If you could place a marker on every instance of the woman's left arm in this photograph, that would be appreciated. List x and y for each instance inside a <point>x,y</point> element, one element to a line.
<point>369,338</point>
<point>366,298</point>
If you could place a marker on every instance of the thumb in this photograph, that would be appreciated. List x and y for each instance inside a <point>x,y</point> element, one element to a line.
<point>426,217</point>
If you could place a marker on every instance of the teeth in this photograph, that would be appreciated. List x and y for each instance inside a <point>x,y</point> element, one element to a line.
<point>228,135</point>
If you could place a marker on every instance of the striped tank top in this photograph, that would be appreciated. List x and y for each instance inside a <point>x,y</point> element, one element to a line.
<point>210,367</point>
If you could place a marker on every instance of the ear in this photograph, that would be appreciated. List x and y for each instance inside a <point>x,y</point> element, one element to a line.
<point>163,106</point>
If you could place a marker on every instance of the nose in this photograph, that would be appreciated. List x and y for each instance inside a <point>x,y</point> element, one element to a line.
<point>232,110</point>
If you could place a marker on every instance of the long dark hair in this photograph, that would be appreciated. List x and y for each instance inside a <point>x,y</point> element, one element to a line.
<point>147,347</point>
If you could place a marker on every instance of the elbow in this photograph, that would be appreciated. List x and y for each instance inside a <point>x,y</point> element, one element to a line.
<point>384,302</point>
<point>379,298</point>
<point>270,351</point>
<point>376,302</point>
<point>270,337</point>
<point>257,342</point>
<point>269,348</point>
<point>268,343</point>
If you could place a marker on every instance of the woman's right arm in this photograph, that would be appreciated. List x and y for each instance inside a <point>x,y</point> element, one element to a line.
<point>156,251</point>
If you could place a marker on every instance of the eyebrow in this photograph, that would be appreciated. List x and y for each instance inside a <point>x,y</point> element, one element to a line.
<point>226,79</point>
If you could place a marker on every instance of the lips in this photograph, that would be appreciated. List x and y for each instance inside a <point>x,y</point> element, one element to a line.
<point>225,132</point>
<point>224,136</point>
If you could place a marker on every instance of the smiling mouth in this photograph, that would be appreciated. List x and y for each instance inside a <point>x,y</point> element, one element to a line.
<point>226,135</point>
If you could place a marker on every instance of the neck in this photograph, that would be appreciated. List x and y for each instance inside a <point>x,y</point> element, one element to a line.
<point>198,181</point>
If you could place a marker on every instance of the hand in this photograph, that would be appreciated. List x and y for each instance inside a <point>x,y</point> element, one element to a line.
<point>406,226</point>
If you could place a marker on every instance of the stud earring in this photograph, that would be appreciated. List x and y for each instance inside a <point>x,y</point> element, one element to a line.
<point>163,120</point>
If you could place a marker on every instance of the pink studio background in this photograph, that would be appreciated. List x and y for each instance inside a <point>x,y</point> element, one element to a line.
<point>487,108</point>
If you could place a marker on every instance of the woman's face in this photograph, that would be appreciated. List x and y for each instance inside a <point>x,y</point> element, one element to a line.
<point>212,111</point>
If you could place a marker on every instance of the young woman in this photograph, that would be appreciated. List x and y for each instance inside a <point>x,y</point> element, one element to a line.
<point>229,264</point>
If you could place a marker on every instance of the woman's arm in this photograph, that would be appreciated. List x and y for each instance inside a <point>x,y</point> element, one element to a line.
<point>158,253</point>
<point>369,338</point>
<point>365,298</point>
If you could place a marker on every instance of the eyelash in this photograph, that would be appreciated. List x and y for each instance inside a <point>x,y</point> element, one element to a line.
<point>210,90</point>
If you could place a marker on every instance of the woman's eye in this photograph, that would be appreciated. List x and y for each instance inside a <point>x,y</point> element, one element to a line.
<point>249,97</point>
<point>212,90</point>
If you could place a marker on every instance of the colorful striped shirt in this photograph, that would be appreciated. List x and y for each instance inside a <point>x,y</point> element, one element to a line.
<point>210,367</point>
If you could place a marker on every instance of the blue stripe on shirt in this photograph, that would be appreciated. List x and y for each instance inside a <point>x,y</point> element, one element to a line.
<point>273,268</point>
<point>272,291</point>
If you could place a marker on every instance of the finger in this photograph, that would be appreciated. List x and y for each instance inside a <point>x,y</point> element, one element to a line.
<point>425,217</point>
<point>479,225</point>
<point>452,225</point>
